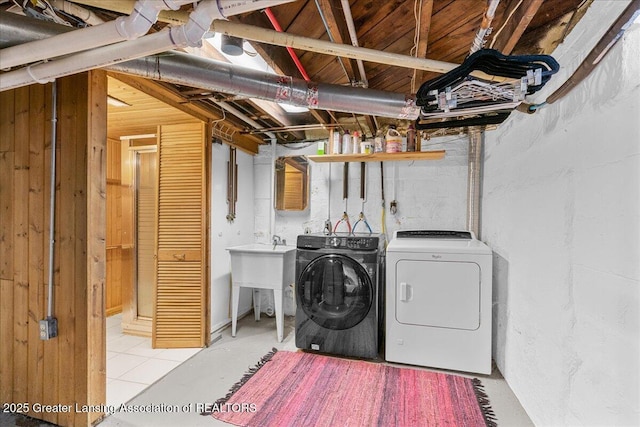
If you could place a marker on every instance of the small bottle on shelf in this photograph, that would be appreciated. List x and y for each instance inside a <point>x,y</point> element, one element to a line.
<point>346,143</point>
<point>378,142</point>
<point>355,142</point>
<point>411,139</point>
<point>336,145</point>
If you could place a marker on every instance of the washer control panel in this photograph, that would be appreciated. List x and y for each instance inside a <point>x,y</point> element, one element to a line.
<point>338,241</point>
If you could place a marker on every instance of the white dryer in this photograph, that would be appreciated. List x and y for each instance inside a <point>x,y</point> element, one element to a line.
<point>438,300</point>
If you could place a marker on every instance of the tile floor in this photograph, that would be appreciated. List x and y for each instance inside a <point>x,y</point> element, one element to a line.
<point>132,365</point>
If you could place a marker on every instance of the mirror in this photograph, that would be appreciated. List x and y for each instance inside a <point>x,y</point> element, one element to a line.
<point>292,183</point>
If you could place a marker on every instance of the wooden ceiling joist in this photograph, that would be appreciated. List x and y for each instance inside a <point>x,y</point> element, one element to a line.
<point>426,10</point>
<point>339,33</point>
<point>518,21</point>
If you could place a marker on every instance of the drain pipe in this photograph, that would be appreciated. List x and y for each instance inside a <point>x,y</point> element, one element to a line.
<point>85,15</point>
<point>474,180</point>
<point>189,34</point>
<point>354,39</point>
<point>264,35</point>
<point>217,76</point>
<point>144,15</point>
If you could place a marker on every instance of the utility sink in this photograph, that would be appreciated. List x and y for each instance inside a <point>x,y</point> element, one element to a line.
<point>261,266</point>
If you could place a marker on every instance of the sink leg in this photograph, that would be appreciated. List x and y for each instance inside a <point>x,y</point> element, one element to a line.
<point>256,304</point>
<point>235,300</point>
<point>277,296</point>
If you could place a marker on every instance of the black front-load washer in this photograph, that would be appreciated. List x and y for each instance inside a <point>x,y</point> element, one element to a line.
<point>339,293</point>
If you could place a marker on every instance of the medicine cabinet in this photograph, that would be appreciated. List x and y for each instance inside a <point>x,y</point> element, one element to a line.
<point>291,183</point>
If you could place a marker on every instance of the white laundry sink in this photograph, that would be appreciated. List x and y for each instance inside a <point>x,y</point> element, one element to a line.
<point>261,266</point>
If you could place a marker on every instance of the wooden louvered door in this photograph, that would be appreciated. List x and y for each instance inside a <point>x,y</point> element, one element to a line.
<point>181,297</point>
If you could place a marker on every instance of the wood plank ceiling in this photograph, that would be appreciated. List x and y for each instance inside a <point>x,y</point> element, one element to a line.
<point>435,29</point>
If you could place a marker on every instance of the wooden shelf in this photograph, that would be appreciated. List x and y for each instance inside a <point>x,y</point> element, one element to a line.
<point>378,157</point>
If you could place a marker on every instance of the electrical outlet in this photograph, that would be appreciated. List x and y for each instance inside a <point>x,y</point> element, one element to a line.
<point>48,328</point>
<point>393,207</point>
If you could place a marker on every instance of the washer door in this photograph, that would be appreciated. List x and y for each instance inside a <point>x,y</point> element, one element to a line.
<point>335,292</point>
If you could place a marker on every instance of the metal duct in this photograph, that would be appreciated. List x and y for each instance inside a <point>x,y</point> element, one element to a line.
<point>179,68</point>
<point>183,69</point>
<point>474,180</point>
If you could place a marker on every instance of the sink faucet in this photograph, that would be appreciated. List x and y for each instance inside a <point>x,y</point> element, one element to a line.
<point>278,241</point>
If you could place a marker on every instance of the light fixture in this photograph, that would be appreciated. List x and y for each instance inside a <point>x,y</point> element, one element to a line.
<point>231,45</point>
<point>116,102</point>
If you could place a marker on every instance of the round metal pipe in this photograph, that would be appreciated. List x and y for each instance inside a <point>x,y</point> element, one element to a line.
<point>474,180</point>
<point>179,68</point>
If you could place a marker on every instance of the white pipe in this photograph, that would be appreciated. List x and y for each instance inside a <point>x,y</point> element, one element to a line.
<point>272,211</point>
<point>478,42</point>
<point>85,15</point>
<point>239,114</point>
<point>189,34</point>
<point>180,68</point>
<point>144,15</point>
<point>263,35</point>
<point>52,195</point>
<point>90,59</point>
<point>354,38</point>
<point>230,8</point>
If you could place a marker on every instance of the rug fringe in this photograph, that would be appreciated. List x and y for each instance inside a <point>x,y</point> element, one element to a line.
<point>485,406</point>
<point>267,357</point>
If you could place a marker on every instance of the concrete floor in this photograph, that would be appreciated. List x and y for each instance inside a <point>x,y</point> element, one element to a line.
<point>210,373</point>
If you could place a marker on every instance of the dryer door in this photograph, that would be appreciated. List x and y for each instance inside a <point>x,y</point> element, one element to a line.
<point>335,292</point>
<point>443,294</point>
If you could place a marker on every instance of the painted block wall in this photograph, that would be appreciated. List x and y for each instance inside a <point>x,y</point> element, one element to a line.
<point>224,233</point>
<point>430,194</point>
<point>561,211</point>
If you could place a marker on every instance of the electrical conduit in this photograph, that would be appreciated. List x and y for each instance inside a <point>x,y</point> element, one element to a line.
<point>354,39</point>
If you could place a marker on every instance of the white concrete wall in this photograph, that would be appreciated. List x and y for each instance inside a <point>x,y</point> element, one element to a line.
<point>561,211</point>
<point>430,194</point>
<point>224,233</point>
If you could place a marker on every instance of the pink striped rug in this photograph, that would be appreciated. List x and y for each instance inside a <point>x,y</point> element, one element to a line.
<point>305,389</point>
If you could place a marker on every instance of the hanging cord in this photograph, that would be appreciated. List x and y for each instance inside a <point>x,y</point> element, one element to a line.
<point>327,223</point>
<point>383,225</point>
<point>361,218</point>
<point>363,187</point>
<point>345,219</point>
<point>417,12</point>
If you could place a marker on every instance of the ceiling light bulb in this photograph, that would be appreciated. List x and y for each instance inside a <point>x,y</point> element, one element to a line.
<point>231,45</point>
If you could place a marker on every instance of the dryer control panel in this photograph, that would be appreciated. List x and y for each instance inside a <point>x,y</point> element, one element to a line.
<point>434,234</point>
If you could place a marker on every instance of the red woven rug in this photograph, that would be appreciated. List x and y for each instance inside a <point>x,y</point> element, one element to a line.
<point>304,389</point>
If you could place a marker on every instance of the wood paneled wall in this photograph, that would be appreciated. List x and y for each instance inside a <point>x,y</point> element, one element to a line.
<point>116,271</point>
<point>69,369</point>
